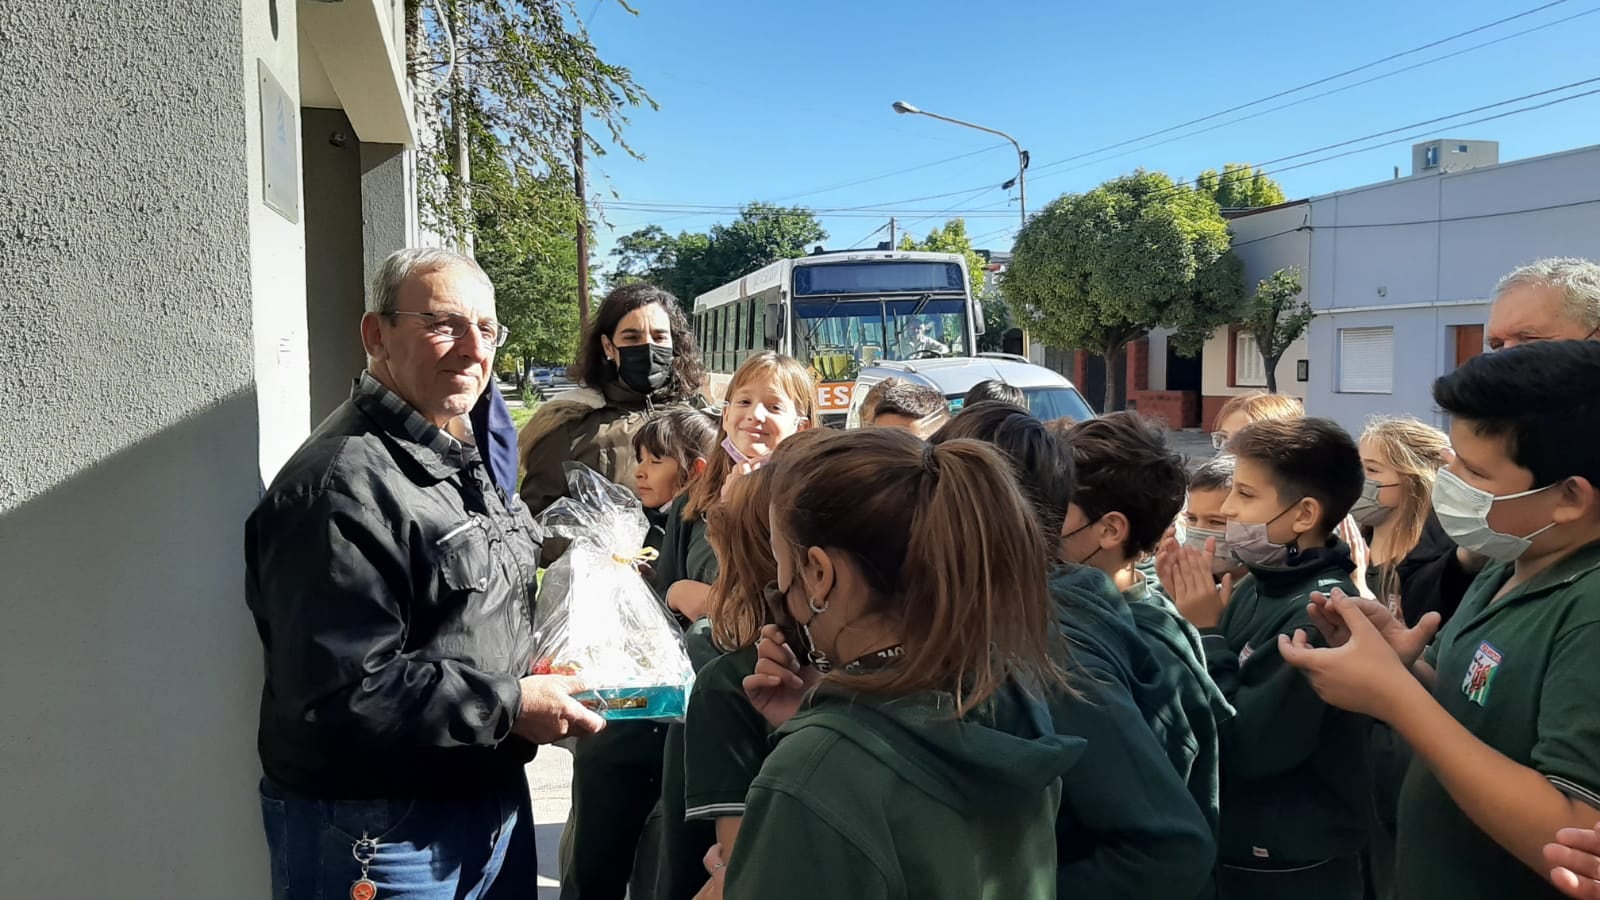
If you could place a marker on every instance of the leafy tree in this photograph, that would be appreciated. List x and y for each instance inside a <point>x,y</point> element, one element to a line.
<point>523,70</point>
<point>1239,186</point>
<point>1276,317</point>
<point>1095,271</point>
<point>953,238</point>
<point>525,244</point>
<point>689,264</point>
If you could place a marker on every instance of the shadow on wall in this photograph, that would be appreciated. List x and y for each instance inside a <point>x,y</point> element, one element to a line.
<point>132,673</point>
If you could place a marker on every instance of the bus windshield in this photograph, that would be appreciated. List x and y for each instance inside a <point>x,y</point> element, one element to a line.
<point>839,336</point>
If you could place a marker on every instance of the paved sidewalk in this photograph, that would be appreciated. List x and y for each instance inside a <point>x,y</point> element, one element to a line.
<point>550,782</point>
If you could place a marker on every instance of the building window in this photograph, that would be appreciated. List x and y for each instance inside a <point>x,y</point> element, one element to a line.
<point>1366,360</point>
<point>1248,369</point>
<point>1430,157</point>
<point>1461,148</point>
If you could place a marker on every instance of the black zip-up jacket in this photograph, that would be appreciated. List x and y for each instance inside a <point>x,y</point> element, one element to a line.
<point>393,591</point>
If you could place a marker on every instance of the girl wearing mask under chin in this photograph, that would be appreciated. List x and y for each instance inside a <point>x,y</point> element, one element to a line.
<point>770,398</point>
<point>637,356</point>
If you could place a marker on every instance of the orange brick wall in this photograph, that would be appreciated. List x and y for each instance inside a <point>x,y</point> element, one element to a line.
<point>1209,407</point>
<point>1178,409</point>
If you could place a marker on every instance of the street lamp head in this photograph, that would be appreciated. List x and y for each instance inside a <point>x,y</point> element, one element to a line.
<point>900,106</point>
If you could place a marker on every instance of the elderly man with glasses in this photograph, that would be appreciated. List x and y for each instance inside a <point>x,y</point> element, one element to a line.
<point>392,583</point>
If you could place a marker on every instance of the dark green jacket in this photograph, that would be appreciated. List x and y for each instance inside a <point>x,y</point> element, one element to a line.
<point>1295,781</point>
<point>1176,646</point>
<point>873,799</point>
<point>1128,826</point>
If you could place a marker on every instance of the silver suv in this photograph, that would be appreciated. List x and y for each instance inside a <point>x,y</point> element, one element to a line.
<point>1049,394</point>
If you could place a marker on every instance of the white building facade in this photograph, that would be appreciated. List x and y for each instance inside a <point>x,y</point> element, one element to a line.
<point>1401,274</point>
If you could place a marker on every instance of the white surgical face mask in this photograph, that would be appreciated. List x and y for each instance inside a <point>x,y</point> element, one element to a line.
<point>1463,510</point>
<point>1369,512</point>
<point>1195,539</point>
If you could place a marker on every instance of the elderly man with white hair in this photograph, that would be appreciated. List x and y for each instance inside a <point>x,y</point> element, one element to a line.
<point>392,584</point>
<point>1548,300</point>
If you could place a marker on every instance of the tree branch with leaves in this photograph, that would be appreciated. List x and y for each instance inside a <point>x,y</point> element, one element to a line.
<point>1276,316</point>
<point>1097,270</point>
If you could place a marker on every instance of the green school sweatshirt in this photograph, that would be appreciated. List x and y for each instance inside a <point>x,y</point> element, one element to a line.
<point>871,799</point>
<point>1295,781</point>
<point>1128,825</point>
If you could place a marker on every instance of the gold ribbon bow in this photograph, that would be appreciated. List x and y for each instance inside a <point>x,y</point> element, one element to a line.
<point>645,555</point>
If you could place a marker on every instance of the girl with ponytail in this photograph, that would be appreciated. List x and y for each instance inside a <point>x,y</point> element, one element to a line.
<point>916,758</point>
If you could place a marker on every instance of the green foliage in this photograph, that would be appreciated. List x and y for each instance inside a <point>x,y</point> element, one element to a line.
<point>1276,317</point>
<point>1094,271</point>
<point>523,69</point>
<point>689,264</point>
<point>1239,186</point>
<point>526,245</point>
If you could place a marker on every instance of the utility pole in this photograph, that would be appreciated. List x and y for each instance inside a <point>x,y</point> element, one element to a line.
<point>891,233</point>
<point>583,217</point>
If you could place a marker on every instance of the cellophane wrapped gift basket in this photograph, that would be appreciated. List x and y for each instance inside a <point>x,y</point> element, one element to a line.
<point>596,618</point>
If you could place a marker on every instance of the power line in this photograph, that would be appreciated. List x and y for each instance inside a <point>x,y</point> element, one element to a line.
<point>995,212</point>
<point>1328,93</point>
<point>1309,84</point>
<point>866,237</point>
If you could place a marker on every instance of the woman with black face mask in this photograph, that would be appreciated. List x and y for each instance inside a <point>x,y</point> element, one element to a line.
<point>637,356</point>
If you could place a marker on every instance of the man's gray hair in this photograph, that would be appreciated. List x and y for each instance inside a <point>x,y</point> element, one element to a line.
<point>384,292</point>
<point>1578,280</point>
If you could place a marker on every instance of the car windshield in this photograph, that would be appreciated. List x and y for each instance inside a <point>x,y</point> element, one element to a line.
<point>1046,403</point>
<point>838,337</point>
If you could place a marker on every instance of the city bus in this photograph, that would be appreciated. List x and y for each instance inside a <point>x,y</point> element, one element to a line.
<point>838,312</point>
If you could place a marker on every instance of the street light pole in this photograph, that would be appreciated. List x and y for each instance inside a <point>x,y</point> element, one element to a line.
<point>904,108</point>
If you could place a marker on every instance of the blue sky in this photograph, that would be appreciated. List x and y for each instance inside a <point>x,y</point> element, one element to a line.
<point>790,102</point>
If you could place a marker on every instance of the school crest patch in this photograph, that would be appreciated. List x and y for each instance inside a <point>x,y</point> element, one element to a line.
<point>1480,675</point>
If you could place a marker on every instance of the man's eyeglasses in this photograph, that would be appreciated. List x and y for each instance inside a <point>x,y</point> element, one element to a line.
<point>455,327</point>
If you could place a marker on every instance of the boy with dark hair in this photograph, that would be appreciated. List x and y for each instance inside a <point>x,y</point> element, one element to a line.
<point>994,390</point>
<point>1202,517</point>
<point>1130,488</point>
<point>1294,773</point>
<point>1501,716</point>
<point>896,403</point>
<point>1127,826</point>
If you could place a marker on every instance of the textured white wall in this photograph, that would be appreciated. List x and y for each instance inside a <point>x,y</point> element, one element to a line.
<point>146,285</point>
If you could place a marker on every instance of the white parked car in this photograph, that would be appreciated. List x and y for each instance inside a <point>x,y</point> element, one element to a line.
<point>1049,394</point>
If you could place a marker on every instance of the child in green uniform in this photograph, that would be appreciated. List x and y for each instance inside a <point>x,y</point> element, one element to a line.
<point>616,774</point>
<point>1295,786</point>
<point>770,398</point>
<point>1126,827</point>
<point>724,739</point>
<point>1202,517</point>
<point>1130,488</point>
<point>1501,718</point>
<point>921,765</point>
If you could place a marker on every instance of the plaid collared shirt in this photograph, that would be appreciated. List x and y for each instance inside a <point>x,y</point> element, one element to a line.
<point>412,424</point>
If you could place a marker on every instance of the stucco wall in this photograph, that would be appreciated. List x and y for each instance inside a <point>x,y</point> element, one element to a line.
<point>1423,254</point>
<point>133,452</point>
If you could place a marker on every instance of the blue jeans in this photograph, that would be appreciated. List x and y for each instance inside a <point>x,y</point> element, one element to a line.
<point>479,848</point>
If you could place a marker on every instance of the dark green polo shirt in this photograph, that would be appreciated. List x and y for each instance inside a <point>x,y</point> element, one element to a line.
<point>725,739</point>
<point>1520,673</point>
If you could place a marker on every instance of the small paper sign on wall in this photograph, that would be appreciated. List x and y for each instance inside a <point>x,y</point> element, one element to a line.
<point>1302,369</point>
<point>280,134</point>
